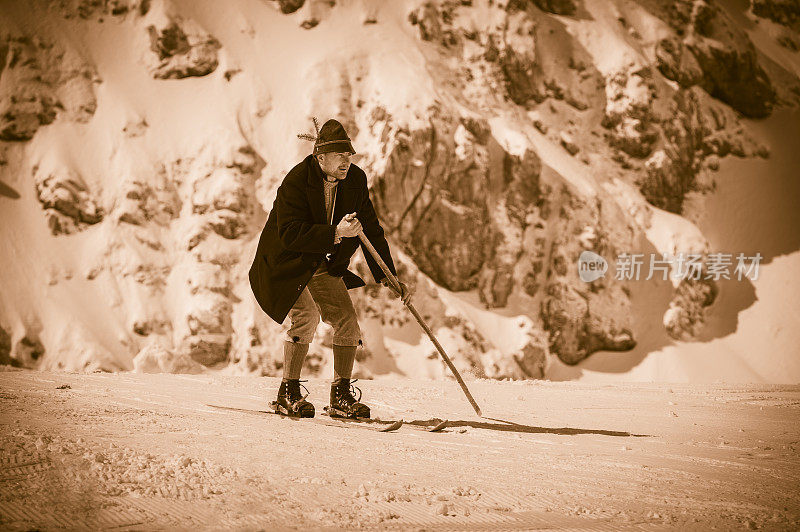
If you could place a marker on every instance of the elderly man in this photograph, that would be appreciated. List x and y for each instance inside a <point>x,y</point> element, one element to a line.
<point>300,266</point>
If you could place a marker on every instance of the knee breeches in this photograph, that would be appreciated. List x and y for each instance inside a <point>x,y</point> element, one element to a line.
<point>325,297</point>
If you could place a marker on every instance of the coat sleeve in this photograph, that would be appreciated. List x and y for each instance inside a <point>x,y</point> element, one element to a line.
<point>296,229</point>
<point>374,232</point>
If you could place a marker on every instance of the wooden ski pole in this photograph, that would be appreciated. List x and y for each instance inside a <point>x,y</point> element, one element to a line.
<point>372,251</point>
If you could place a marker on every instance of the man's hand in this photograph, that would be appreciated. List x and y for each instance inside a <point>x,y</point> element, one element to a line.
<point>349,226</point>
<point>405,293</point>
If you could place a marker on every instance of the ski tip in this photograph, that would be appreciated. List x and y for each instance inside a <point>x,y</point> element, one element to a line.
<point>394,426</point>
<point>439,426</point>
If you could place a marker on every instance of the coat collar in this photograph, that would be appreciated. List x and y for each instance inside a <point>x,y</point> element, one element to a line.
<point>316,197</point>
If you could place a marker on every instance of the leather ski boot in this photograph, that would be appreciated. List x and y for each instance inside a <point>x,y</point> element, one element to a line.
<point>343,403</point>
<point>291,402</point>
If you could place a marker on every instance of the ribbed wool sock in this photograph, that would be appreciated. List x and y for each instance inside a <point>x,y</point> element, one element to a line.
<point>293,356</point>
<point>343,358</point>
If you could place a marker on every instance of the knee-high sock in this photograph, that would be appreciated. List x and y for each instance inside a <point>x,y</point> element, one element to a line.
<point>293,356</point>
<point>343,357</point>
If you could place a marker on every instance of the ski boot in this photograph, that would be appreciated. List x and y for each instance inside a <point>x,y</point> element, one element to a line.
<point>343,403</point>
<point>291,402</point>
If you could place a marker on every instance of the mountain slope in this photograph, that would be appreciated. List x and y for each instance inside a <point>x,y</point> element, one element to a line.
<point>143,142</point>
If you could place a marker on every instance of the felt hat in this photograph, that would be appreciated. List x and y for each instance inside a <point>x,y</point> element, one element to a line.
<point>331,137</point>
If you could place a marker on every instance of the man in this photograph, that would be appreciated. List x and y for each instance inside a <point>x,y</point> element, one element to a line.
<point>300,267</point>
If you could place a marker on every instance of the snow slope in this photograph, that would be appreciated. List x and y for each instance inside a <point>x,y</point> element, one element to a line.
<point>146,451</point>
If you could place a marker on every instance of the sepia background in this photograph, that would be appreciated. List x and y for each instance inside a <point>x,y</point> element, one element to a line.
<point>141,145</point>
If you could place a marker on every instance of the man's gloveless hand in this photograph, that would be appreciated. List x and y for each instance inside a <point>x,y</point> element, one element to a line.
<point>349,226</point>
<point>405,293</point>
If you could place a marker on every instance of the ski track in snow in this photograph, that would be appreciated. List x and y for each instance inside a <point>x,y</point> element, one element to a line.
<point>144,451</point>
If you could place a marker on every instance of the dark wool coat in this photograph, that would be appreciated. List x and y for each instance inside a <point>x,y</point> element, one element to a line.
<point>296,238</point>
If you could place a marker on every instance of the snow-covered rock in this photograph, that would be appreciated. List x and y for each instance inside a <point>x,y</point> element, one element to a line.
<point>155,358</point>
<point>96,10</point>
<point>713,42</point>
<point>677,62</point>
<point>686,315</point>
<point>629,113</point>
<point>40,79</point>
<point>786,12</point>
<point>579,317</point>
<point>143,203</point>
<point>182,49</point>
<point>695,130</point>
<point>67,202</point>
<point>290,6</point>
<point>27,351</point>
<point>5,346</point>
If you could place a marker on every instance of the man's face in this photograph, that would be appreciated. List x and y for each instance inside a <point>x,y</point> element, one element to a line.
<point>335,164</point>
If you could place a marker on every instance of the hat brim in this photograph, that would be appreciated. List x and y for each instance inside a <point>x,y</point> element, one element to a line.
<point>335,147</point>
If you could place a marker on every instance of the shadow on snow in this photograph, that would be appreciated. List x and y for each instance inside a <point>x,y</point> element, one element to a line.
<point>510,426</point>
